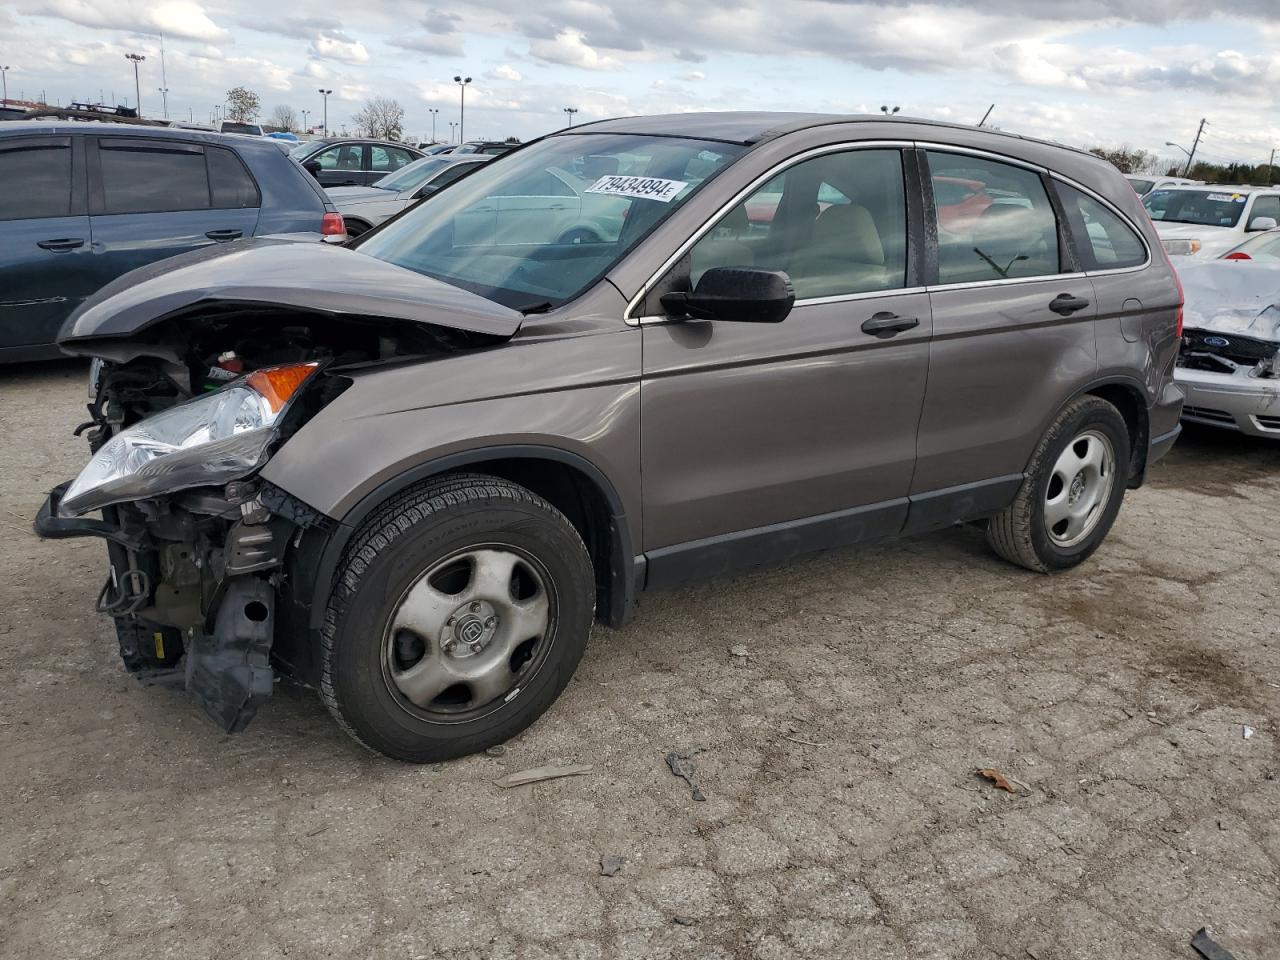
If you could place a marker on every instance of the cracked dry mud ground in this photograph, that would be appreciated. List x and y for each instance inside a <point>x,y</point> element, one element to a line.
<point>130,827</point>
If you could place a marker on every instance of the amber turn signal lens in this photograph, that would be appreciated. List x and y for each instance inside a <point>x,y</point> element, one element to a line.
<point>278,384</point>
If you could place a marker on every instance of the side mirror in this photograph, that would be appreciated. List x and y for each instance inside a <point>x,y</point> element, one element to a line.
<point>737,294</point>
<point>312,167</point>
<point>1262,223</point>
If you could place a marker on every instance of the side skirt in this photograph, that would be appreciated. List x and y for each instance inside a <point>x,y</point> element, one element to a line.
<point>780,542</point>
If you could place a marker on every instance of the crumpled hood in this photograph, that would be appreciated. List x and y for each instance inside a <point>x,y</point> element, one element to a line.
<point>1232,296</point>
<point>308,276</point>
<point>345,195</point>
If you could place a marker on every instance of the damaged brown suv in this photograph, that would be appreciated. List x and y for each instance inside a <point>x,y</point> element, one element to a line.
<point>411,472</point>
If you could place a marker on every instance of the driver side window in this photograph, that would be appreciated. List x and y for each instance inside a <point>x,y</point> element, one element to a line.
<point>836,224</point>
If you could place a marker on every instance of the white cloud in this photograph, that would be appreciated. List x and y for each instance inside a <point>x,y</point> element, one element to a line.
<point>339,48</point>
<point>177,18</point>
<point>569,49</point>
<point>692,77</point>
<point>506,72</point>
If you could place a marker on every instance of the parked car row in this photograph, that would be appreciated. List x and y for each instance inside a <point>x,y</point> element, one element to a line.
<point>406,471</point>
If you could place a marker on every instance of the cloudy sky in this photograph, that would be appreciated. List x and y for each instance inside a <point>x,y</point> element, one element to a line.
<point>1085,72</point>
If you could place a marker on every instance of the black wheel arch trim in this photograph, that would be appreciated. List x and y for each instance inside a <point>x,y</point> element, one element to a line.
<point>621,588</point>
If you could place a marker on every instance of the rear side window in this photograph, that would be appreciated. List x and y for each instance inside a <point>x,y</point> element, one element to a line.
<point>1267,206</point>
<point>152,177</point>
<point>1104,240</point>
<point>348,156</point>
<point>230,186</point>
<point>35,181</point>
<point>995,221</point>
<point>386,159</point>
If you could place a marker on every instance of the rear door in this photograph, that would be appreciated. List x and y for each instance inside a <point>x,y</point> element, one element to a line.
<point>1013,320</point>
<point>384,160</point>
<point>44,239</point>
<point>343,165</point>
<point>152,199</point>
<point>806,428</point>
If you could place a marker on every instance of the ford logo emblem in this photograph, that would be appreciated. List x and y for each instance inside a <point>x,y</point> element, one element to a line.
<point>1217,342</point>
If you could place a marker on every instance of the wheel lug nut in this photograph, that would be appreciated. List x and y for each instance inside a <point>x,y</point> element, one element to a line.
<point>449,622</point>
<point>491,622</point>
<point>475,606</point>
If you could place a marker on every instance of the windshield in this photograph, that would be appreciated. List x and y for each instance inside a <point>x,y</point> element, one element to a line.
<point>540,226</point>
<point>1207,208</point>
<point>232,127</point>
<point>304,148</point>
<point>408,177</point>
<point>1141,187</point>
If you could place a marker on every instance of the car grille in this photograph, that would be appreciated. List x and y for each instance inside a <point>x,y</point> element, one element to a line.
<point>1246,351</point>
<point>1208,413</point>
<point>1268,423</point>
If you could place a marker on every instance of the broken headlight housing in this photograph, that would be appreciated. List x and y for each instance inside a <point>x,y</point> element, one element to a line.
<point>208,440</point>
<point>1182,248</point>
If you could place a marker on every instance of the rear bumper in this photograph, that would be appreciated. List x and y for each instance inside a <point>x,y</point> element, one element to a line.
<point>1231,401</point>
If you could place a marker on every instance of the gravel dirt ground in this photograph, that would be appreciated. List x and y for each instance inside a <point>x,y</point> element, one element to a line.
<point>843,816</point>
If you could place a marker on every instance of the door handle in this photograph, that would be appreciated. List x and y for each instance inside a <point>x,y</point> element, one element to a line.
<point>1065,304</point>
<point>68,243</point>
<point>223,235</point>
<point>887,324</point>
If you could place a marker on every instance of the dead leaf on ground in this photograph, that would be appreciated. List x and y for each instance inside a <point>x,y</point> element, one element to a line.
<point>538,774</point>
<point>999,779</point>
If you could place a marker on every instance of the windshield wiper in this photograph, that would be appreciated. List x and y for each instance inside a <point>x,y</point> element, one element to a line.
<point>535,308</point>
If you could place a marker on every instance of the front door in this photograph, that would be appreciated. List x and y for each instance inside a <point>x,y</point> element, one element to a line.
<point>1013,325</point>
<point>44,259</point>
<point>806,428</point>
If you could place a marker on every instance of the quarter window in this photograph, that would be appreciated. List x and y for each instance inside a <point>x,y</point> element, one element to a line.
<point>1268,206</point>
<point>1104,240</point>
<point>994,220</point>
<point>152,177</point>
<point>35,182</point>
<point>835,224</point>
<point>385,159</point>
<point>230,185</point>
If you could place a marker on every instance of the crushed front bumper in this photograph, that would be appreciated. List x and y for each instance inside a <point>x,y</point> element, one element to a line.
<point>1233,401</point>
<point>222,656</point>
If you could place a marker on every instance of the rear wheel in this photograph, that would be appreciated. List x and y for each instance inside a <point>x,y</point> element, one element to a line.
<point>1072,492</point>
<point>460,613</point>
<point>356,227</point>
<point>579,235</point>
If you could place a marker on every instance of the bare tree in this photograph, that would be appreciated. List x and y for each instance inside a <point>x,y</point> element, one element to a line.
<point>242,105</point>
<point>284,118</point>
<point>380,117</point>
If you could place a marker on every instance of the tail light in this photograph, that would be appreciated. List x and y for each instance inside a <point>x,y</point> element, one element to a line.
<point>332,225</point>
<point>1238,255</point>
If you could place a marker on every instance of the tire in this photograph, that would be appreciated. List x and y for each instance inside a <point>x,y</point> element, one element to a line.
<point>1023,533</point>
<point>579,235</point>
<point>391,559</point>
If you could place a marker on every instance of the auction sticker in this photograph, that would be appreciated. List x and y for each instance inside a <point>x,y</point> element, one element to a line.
<point>1225,198</point>
<point>642,188</point>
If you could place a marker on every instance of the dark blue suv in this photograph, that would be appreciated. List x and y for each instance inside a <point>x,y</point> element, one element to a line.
<point>83,203</point>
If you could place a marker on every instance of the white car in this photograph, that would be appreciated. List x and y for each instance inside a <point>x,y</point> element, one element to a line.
<point>363,208</point>
<point>1142,185</point>
<point>1229,361</point>
<point>1208,221</point>
<point>1261,246</point>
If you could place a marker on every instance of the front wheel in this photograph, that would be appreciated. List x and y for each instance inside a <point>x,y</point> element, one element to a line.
<point>461,611</point>
<point>1072,491</point>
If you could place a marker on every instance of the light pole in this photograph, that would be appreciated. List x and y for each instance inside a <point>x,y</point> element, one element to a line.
<point>137,58</point>
<point>164,99</point>
<point>325,93</point>
<point>305,126</point>
<point>462,106</point>
<point>888,112</point>
<point>571,111</point>
<point>433,111</point>
<point>1191,154</point>
<point>4,75</point>
<point>453,127</point>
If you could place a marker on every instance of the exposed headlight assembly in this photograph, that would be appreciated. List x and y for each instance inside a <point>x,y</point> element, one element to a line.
<point>207,440</point>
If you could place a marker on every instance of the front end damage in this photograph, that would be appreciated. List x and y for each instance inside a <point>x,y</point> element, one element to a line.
<point>1229,363</point>
<point>211,567</point>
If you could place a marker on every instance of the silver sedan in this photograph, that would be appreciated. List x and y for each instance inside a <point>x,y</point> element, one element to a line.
<point>365,207</point>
